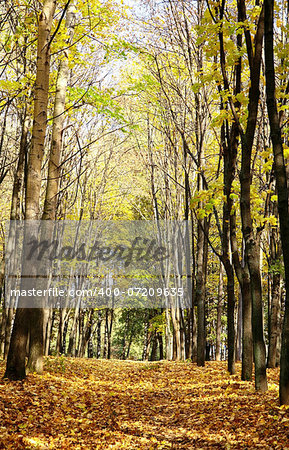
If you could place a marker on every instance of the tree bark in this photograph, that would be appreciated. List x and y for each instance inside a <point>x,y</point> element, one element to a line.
<point>200,296</point>
<point>282,188</point>
<point>249,235</point>
<point>219,314</point>
<point>25,319</point>
<point>53,178</point>
<point>274,317</point>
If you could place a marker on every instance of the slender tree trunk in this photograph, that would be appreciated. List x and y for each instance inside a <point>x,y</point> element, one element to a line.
<point>73,332</point>
<point>146,337</point>
<point>176,334</point>
<point>15,215</point>
<point>2,331</point>
<point>9,318</point>
<point>161,346</point>
<point>200,297</point>
<point>153,355</point>
<point>168,335</point>
<point>98,335</point>
<point>87,333</point>
<point>109,334</point>
<point>53,179</point>
<point>105,338</point>
<point>80,331</point>
<point>239,328</point>
<point>194,329</point>
<point>274,318</point>
<point>219,314</point>
<point>231,317</point>
<point>247,341</point>
<point>48,332</point>
<point>230,141</point>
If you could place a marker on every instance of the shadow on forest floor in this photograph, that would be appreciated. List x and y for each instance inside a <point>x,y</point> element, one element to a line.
<point>99,404</point>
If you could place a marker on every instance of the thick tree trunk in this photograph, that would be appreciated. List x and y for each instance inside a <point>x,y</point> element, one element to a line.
<point>40,111</point>
<point>250,237</point>
<point>257,317</point>
<point>15,367</point>
<point>243,276</point>
<point>33,319</point>
<point>282,188</point>
<point>36,341</point>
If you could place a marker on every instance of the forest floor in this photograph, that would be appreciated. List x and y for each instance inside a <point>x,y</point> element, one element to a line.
<point>97,404</point>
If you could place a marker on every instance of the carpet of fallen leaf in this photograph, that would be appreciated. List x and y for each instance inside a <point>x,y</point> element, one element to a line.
<point>97,404</point>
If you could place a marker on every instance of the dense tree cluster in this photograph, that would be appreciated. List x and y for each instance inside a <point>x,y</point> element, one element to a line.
<point>170,110</point>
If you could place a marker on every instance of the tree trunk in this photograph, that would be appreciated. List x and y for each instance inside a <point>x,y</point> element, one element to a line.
<point>274,318</point>
<point>15,367</point>
<point>73,332</point>
<point>168,336</point>
<point>282,188</point>
<point>161,346</point>
<point>87,333</point>
<point>219,314</point>
<point>176,334</point>
<point>49,325</point>
<point>200,296</point>
<point>33,319</point>
<point>250,236</point>
<point>239,328</point>
<point>15,215</point>
<point>247,341</point>
<point>98,335</point>
<point>53,178</point>
<point>153,355</point>
<point>109,334</point>
<point>257,317</point>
